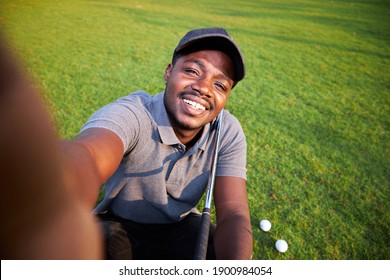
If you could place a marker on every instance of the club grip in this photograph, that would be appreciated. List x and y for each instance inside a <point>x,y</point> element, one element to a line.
<point>203,236</point>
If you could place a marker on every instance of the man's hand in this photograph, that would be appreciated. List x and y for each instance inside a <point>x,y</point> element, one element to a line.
<point>43,217</point>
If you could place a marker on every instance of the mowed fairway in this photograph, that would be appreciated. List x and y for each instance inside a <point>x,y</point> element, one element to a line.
<point>314,105</point>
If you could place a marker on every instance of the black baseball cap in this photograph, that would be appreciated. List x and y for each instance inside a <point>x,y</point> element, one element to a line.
<point>213,38</point>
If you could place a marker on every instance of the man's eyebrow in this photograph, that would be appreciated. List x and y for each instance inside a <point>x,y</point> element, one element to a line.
<point>196,61</point>
<point>202,65</point>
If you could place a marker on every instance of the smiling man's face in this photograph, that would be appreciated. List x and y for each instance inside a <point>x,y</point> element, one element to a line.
<point>197,88</point>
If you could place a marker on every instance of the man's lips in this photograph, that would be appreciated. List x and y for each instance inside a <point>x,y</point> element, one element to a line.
<point>194,104</point>
<point>195,101</point>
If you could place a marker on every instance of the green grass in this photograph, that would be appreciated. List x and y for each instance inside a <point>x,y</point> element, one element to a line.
<point>314,105</point>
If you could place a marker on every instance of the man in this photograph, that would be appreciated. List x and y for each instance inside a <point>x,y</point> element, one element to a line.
<point>153,153</point>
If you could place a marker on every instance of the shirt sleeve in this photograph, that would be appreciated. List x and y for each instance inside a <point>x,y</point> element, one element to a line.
<point>233,149</point>
<point>120,118</point>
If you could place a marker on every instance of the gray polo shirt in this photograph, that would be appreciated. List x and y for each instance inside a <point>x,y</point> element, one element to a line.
<point>158,181</point>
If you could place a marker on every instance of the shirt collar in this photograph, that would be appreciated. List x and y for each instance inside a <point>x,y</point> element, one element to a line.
<point>167,134</point>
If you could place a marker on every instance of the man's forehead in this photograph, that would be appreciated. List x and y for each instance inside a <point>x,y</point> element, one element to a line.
<point>208,56</point>
<point>218,59</point>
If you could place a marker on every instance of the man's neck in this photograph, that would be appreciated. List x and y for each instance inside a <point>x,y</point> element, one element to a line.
<point>189,138</point>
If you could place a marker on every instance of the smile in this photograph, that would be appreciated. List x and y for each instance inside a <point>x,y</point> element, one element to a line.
<point>194,104</point>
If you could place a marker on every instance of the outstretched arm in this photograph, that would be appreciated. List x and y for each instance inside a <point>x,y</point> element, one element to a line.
<point>48,187</point>
<point>89,160</point>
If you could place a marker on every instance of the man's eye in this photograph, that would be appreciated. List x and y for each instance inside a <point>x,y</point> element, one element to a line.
<point>220,86</point>
<point>191,71</point>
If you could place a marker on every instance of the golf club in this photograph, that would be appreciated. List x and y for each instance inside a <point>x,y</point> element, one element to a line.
<point>203,236</point>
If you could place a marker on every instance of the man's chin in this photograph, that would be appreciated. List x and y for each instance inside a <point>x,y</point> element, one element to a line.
<point>186,122</point>
<point>190,126</point>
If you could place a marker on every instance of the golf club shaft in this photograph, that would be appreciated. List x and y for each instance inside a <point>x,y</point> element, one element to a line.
<point>204,228</point>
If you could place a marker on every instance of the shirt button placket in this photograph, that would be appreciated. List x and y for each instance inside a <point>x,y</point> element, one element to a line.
<point>177,173</point>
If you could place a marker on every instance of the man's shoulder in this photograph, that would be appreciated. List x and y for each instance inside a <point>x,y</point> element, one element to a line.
<point>138,97</point>
<point>140,102</point>
<point>231,121</point>
<point>232,130</point>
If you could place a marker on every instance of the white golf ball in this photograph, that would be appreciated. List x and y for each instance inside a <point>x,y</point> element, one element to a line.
<point>281,245</point>
<point>265,225</point>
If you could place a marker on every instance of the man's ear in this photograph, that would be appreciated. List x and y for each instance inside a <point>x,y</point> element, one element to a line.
<point>168,71</point>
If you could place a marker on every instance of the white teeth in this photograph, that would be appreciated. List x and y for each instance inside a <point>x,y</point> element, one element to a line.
<point>194,104</point>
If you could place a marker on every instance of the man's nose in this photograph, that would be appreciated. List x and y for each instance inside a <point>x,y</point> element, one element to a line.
<point>202,86</point>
